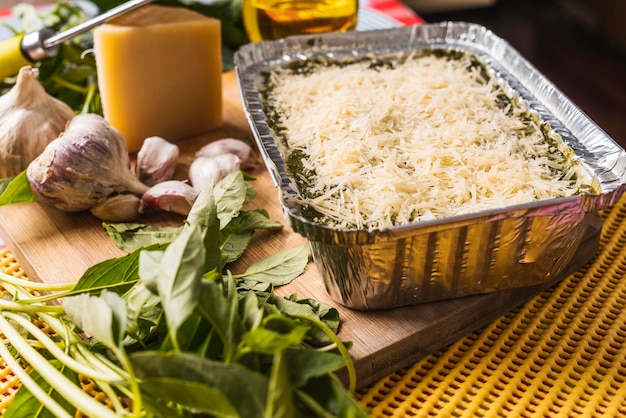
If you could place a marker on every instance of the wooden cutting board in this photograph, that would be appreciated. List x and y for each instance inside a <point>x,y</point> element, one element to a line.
<point>53,246</point>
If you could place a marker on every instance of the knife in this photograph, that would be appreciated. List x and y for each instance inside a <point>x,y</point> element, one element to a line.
<point>36,46</point>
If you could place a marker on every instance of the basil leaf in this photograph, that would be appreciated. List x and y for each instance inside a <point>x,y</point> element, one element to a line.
<point>309,308</point>
<point>236,236</point>
<point>193,395</point>
<point>181,268</point>
<point>117,274</point>
<point>221,309</point>
<point>251,310</point>
<point>132,236</point>
<point>16,190</point>
<point>305,365</point>
<point>265,340</point>
<point>4,183</point>
<point>252,220</point>
<point>203,215</point>
<point>230,195</point>
<point>104,317</point>
<point>280,268</point>
<point>150,269</point>
<point>143,311</point>
<point>280,402</point>
<point>327,394</point>
<point>233,245</point>
<point>245,389</point>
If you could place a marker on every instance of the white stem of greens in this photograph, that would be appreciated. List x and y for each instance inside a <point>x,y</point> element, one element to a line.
<point>112,396</point>
<point>28,284</point>
<point>132,380</point>
<point>60,354</point>
<point>96,361</point>
<point>32,386</point>
<point>62,385</point>
<point>56,324</point>
<point>9,305</point>
<point>102,370</point>
<point>100,363</point>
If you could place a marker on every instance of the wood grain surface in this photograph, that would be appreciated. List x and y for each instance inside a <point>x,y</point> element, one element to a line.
<point>52,246</point>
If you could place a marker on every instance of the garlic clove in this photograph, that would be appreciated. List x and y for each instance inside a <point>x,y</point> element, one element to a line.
<point>118,208</point>
<point>29,119</point>
<point>156,161</point>
<point>172,196</point>
<point>86,164</point>
<point>247,155</point>
<point>207,171</point>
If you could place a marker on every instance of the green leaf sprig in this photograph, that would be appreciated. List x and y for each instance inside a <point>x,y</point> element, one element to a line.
<point>171,332</point>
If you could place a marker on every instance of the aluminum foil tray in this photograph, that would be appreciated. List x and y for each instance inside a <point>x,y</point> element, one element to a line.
<point>463,255</point>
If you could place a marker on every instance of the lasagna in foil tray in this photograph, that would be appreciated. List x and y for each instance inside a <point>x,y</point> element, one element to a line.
<point>426,162</point>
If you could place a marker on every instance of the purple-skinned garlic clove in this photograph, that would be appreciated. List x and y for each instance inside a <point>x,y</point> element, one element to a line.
<point>86,164</point>
<point>118,208</point>
<point>171,196</point>
<point>156,161</point>
<point>207,171</point>
<point>248,157</point>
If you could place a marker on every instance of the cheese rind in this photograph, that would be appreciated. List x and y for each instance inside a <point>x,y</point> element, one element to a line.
<point>160,73</point>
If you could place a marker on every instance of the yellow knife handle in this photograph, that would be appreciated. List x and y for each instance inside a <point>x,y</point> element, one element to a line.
<point>11,57</point>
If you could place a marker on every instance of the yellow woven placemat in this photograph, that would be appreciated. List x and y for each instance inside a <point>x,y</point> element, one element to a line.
<point>562,354</point>
<point>9,383</point>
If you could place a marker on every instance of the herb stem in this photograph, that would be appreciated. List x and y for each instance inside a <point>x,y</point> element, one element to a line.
<point>71,86</point>
<point>27,284</point>
<point>96,360</point>
<point>57,352</point>
<point>64,386</point>
<point>132,379</point>
<point>33,387</point>
<point>111,395</point>
<point>91,92</point>
<point>9,305</point>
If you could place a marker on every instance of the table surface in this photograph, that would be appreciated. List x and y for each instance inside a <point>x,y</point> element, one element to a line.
<point>563,353</point>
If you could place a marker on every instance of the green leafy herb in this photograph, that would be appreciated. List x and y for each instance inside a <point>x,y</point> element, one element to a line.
<point>16,190</point>
<point>236,226</point>
<point>132,236</point>
<point>175,333</point>
<point>278,269</point>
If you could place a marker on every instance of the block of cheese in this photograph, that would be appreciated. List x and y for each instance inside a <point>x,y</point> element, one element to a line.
<point>160,73</point>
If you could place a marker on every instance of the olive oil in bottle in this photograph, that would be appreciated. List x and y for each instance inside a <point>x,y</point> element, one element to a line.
<point>275,19</point>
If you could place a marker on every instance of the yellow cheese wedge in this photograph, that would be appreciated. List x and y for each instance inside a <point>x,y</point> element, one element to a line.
<point>160,73</point>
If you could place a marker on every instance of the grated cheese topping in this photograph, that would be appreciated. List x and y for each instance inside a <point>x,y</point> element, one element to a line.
<point>420,139</point>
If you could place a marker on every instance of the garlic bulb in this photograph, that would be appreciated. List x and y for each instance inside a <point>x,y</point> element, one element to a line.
<point>247,155</point>
<point>29,119</point>
<point>118,208</point>
<point>172,196</point>
<point>156,161</point>
<point>207,171</point>
<point>86,164</point>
